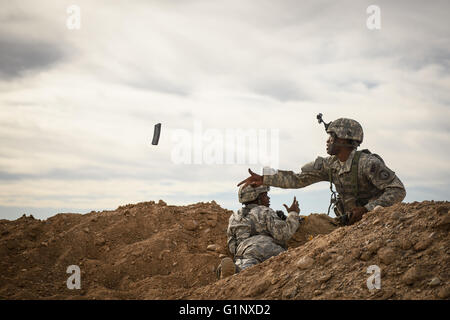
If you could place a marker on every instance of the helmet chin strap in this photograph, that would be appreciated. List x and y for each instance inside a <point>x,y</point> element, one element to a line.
<point>342,145</point>
<point>259,201</point>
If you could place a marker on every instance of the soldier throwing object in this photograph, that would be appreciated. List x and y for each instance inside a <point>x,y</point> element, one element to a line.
<point>362,179</point>
<point>256,232</point>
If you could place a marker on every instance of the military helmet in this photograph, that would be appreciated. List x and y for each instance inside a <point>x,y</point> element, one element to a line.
<point>345,128</point>
<point>250,193</point>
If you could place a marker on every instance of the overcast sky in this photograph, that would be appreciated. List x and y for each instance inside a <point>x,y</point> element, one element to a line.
<point>78,107</point>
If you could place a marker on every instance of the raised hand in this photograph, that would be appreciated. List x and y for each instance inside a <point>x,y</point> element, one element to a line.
<point>294,206</point>
<point>255,180</point>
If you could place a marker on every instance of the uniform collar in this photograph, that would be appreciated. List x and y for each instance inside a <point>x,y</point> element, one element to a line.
<point>347,164</point>
<point>251,206</point>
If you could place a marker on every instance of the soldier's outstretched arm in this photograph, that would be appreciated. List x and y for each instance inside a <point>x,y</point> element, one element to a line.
<point>384,179</point>
<point>311,172</point>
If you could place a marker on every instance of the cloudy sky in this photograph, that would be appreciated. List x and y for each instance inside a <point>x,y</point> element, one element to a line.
<point>78,107</point>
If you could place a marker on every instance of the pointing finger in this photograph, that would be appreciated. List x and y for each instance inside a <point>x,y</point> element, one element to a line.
<point>241,182</point>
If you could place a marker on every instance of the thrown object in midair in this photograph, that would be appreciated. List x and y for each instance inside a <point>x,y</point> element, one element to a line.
<point>156,134</point>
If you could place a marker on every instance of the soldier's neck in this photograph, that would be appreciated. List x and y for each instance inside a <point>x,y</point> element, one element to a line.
<point>343,154</point>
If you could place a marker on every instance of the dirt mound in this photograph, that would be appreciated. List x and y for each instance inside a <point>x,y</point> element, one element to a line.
<point>311,226</point>
<point>144,251</point>
<point>157,251</point>
<point>408,242</point>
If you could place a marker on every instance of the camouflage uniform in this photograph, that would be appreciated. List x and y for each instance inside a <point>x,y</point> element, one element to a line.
<point>256,233</point>
<point>377,184</point>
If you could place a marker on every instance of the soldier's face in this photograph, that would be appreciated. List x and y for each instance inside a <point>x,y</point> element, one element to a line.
<point>265,199</point>
<point>331,148</point>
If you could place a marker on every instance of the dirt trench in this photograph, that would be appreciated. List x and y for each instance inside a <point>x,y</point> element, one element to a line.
<point>157,251</point>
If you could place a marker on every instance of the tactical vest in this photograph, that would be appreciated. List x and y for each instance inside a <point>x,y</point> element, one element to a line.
<point>360,199</point>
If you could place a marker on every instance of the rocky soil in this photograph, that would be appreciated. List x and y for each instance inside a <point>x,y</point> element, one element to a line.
<point>157,251</point>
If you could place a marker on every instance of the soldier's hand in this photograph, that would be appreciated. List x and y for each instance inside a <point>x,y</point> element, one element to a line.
<point>280,214</point>
<point>294,206</point>
<point>255,180</point>
<point>356,214</point>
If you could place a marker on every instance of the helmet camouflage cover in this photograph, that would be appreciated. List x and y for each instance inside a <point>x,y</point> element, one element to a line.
<point>345,128</point>
<point>250,193</point>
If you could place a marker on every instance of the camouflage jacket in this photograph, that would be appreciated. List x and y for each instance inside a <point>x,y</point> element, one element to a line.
<point>259,223</point>
<point>377,184</point>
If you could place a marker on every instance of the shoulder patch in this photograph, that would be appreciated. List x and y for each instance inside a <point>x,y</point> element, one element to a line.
<point>385,174</point>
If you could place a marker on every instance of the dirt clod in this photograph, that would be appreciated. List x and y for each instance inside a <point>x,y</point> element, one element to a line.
<point>434,282</point>
<point>444,293</point>
<point>413,275</point>
<point>305,262</point>
<point>387,255</point>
